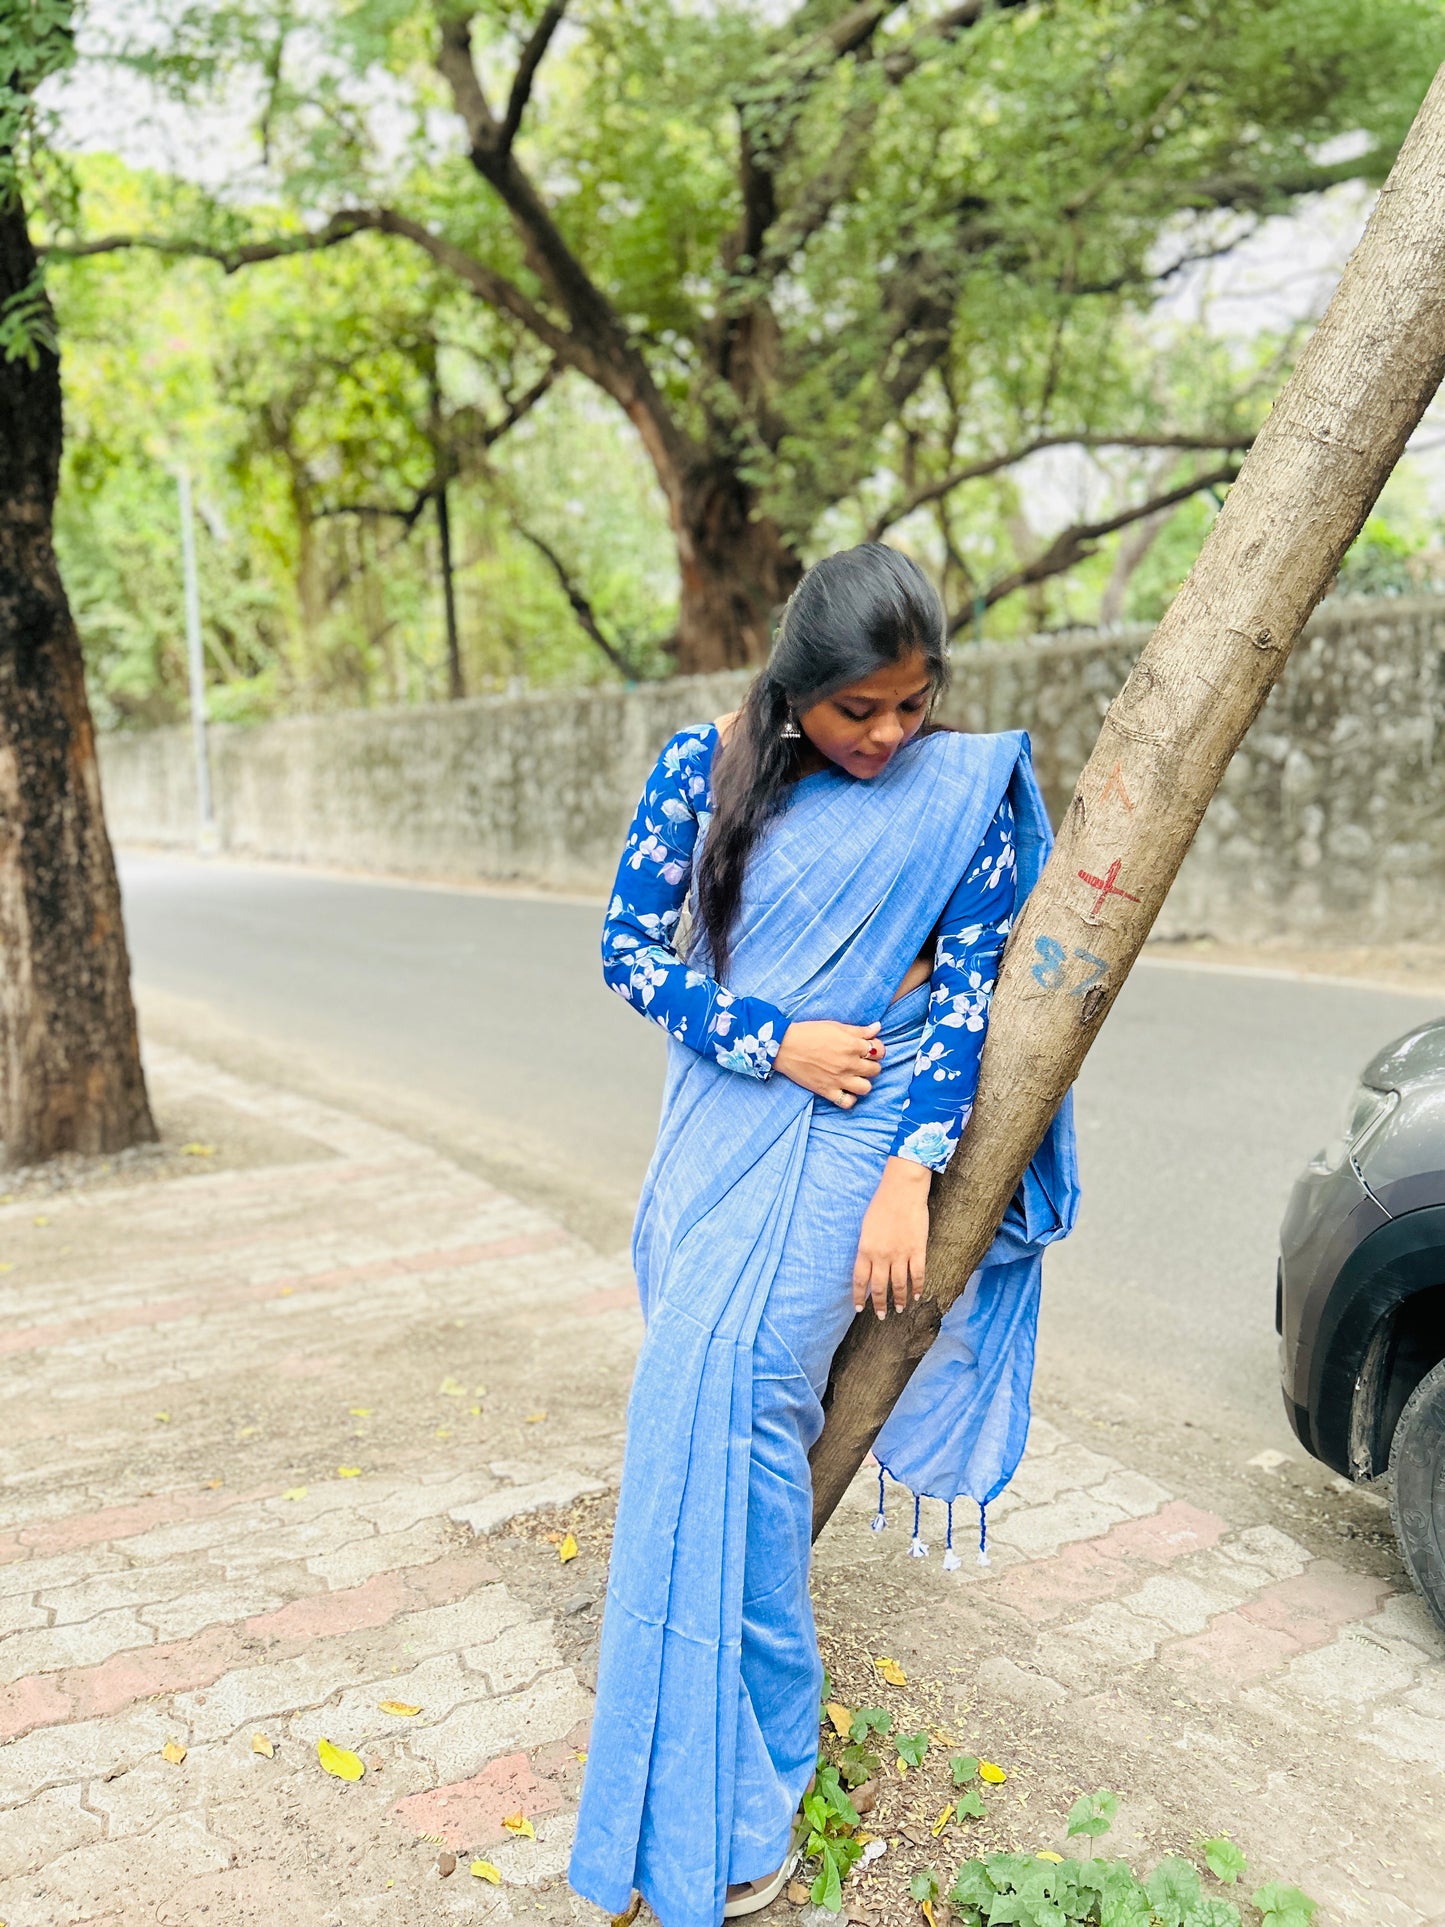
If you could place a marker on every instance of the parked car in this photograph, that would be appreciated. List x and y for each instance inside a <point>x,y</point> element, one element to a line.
<point>1360,1299</point>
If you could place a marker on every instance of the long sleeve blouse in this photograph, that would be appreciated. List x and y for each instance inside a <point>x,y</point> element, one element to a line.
<point>742,1033</point>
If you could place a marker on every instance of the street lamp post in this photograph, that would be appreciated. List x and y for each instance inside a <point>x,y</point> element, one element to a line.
<point>195,661</point>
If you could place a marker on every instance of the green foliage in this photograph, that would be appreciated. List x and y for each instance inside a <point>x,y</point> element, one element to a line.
<point>27,324</point>
<point>969,1805</point>
<point>1093,1814</point>
<point>1223,1859</point>
<point>923,1886</point>
<point>830,1818</point>
<point>912,1748</point>
<point>1023,1890</point>
<point>964,1767</point>
<point>1284,1906</point>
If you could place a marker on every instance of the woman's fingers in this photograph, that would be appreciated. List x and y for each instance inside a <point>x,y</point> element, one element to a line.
<point>898,1272</point>
<point>857,1082</point>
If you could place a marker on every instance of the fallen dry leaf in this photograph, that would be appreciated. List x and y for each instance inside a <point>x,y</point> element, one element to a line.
<point>161,1418</point>
<point>865,1797</point>
<point>358,1411</point>
<point>263,1744</point>
<point>484,1870</point>
<point>995,1775</point>
<point>348,1471</point>
<point>248,1431</point>
<point>441,1432</point>
<point>1057,1858</point>
<point>798,1893</point>
<point>942,1821</point>
<point>890,1671</point>
<point>398,1708</point>
<point>449,1388</point>
<point>337,1761</point>
<point>925,1907</point>
<point>535,1418</point>
<point>198,1150</point>
<point>446,1864</point>
<point>40,1221</point>
<point>173,1751</point>
<point>214,1485</point>
<point>519,1824</point>
<point>841,1717</point>
<point>296,1492</point>
<point>568,1549</point>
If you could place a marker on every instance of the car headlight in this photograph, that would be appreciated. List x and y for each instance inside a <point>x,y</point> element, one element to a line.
<point>1367,1111</point>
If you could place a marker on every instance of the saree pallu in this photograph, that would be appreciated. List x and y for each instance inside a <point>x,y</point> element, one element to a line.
<point>706,1726</point>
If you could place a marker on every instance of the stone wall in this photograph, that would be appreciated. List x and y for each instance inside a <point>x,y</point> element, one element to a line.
<point>1330,820</point>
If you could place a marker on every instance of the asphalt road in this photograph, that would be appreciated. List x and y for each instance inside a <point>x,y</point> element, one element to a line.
<point>1204,1095</point>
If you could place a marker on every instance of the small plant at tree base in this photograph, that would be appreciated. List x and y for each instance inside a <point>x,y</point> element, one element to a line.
<point>858,1761</point>
<point>831,1818</point>
<point>1043,1890</point>
<point>1223,1859</point>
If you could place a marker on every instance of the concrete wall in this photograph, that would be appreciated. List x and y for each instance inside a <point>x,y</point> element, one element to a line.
<point>1330,821</point>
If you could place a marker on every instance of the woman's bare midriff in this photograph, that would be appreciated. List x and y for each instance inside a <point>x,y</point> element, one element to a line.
<point>918,972</point>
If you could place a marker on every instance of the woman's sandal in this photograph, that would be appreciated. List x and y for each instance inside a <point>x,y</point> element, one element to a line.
<point>751,1896</point>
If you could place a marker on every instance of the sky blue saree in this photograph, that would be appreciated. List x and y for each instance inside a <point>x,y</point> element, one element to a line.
<point>706,1728</point>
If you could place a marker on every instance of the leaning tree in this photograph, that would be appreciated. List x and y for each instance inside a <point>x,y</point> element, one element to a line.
<point>1339,426</point>
<point>70,1074</point>
<point>799,255</point>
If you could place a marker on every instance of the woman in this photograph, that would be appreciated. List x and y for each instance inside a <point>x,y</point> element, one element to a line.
<point>850,879</point>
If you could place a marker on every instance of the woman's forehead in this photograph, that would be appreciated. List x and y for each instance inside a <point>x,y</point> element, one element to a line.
<point>893,682</point>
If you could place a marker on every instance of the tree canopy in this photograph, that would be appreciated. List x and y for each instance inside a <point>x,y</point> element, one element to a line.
<point>838,271</point>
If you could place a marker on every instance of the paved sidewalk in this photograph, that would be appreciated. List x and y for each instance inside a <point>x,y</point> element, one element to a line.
<point>299,1432</point>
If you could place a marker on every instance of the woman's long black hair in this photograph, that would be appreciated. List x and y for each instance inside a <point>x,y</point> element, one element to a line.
<point>851,614</point>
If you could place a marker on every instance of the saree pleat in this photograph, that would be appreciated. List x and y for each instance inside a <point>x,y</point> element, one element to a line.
<point>706,1726</point>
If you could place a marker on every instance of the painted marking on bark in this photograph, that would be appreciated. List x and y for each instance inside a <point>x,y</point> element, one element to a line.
<point>1051,972</point>
<point>1115,787</point>
<point>1106,886</point>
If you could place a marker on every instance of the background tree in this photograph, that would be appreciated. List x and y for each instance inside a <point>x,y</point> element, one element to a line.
<point>70,1074</point>
<point>795,255</point>
<point>316,401</point>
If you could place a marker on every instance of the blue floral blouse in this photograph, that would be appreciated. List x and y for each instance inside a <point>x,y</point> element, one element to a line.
<point>743,1033</point>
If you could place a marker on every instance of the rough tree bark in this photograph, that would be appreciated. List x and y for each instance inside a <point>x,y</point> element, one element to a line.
<point>1337,430</point>
<point>70,1074</point>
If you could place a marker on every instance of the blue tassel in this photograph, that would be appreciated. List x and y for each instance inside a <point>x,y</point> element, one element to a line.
<point>983,1558</point>
<point>917,1550</point>
<point>879,1521</point>
<point>951,1560</point>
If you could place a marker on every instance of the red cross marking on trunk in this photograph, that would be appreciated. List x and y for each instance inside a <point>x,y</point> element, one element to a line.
<point>1106,886</point>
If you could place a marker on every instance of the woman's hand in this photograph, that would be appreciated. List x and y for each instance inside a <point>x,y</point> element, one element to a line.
<point>894,1238</point>
<point>836,1061</point>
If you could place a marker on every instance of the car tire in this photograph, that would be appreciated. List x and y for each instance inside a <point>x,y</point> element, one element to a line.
<point>1417,1488</point>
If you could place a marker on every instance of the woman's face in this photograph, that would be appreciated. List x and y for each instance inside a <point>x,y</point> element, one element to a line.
<point>861,726</point>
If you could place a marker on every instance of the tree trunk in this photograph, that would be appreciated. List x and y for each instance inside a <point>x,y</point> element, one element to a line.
<point>70,1074</point>
<point>456,683</point>
<point>1302,495</point>
<point>736,572</point>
